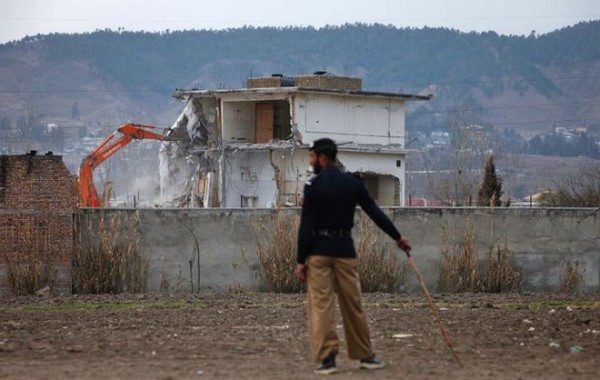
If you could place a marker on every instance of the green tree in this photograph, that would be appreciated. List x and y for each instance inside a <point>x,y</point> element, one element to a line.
<point>491,187</point>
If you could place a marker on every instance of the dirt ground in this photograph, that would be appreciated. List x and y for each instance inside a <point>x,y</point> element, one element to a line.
<point>263,336</point>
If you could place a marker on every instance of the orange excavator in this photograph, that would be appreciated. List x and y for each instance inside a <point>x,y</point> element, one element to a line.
<point>88,196</point>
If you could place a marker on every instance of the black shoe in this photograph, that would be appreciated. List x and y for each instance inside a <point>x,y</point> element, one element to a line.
<point>371,362</point>
<point>327,366</point>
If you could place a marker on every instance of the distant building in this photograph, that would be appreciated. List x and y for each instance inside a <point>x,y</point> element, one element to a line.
<point>250,144</point>
<point>440,138</point>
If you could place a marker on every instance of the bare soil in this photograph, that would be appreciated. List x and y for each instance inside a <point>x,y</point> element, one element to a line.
<point>263,336</point>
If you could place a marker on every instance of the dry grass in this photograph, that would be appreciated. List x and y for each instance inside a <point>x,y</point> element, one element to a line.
<point>501,276</point>
<point>571,280</point>
<point>165,282</point>
<point>106,258</point>
<point>236,288</point>
<point>378,266</point>
<point>277,237</point>
<point>33,262</point>
<point>459,268</point>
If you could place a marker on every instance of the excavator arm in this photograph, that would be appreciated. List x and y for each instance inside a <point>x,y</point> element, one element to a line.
<point>88,195</point>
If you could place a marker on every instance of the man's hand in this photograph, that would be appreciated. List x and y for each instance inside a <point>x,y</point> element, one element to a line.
<point>301,272</point>
<point>404,245</point>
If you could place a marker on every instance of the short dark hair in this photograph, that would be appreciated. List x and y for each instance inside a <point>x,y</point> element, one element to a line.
<point>326,147</point>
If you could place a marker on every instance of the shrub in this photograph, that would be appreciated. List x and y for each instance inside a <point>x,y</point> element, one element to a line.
<point>107,258</point>
<point>277,237</point>
<point>571,280</point>
<point>33,263</point>
<point>378,266</point>
<point>459,270</point>
<point>501,277</point>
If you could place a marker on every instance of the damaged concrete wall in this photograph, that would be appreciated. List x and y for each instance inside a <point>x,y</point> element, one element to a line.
<point>272,177</point>
<point>220,129</point>
<point>37,198</point>
<point>276,177</point>
<point>192,157</point>
<point>293,166</point>
<point>539,240</point>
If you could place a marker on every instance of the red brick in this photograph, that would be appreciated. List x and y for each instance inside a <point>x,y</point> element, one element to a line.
<point>37,199</point>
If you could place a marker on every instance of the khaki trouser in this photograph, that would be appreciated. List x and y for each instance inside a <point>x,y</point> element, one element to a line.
<point>326,275</point>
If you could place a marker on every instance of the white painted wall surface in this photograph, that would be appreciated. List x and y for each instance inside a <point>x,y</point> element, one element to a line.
<point>377,163</point>
<point>238,121</point>
<point>249,173</point>
<point>362,120</point>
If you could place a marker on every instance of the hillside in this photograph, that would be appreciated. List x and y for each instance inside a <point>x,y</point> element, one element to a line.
<point>529,83</point>
<point>520,86</point>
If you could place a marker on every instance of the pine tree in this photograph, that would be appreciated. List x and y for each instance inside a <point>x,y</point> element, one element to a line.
<point>491,187</point>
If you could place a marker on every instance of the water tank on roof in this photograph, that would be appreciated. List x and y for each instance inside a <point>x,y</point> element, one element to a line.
<point>287,82</point>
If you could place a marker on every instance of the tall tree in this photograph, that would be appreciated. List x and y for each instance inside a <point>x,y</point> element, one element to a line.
<point>491,187</point>
<point>469,142</point>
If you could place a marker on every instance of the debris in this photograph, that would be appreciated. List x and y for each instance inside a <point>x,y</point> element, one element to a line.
<point>551,311</point>
<point>190,158</point>
<point>554,345</point>
<point>75,349</point>
<point>199,372</point>
<point>569,308</point>
<point>402,336</point>
<point>576,349</point>
<point>6,347</point>
<point>531,329</point>
<point>527,321</point>
<point>44,292</point>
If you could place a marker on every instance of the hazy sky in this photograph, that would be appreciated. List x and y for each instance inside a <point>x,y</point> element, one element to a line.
<point>20,18</point>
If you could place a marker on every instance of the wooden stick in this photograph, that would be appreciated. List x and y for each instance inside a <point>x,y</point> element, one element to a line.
<point>434,311</point>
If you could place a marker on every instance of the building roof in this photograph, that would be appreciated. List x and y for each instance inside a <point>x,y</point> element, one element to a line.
<point>183,94</point>
<point>342,147</point>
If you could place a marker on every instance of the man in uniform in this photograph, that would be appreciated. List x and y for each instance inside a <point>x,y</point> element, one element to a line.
<point>326,258</point>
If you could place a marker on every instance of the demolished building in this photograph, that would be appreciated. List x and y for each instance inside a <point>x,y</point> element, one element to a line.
<point>248,147</point>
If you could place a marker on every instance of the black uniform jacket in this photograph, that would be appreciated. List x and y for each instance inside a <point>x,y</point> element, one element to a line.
<point>330,201</point>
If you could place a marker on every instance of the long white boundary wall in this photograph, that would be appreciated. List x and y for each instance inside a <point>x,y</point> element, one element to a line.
<point>217,248</point>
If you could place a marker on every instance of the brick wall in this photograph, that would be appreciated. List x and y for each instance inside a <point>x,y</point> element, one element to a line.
<point>263,82</point>
<point>37,198</point>
<point>323,82</point>
<point>329,82</point>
